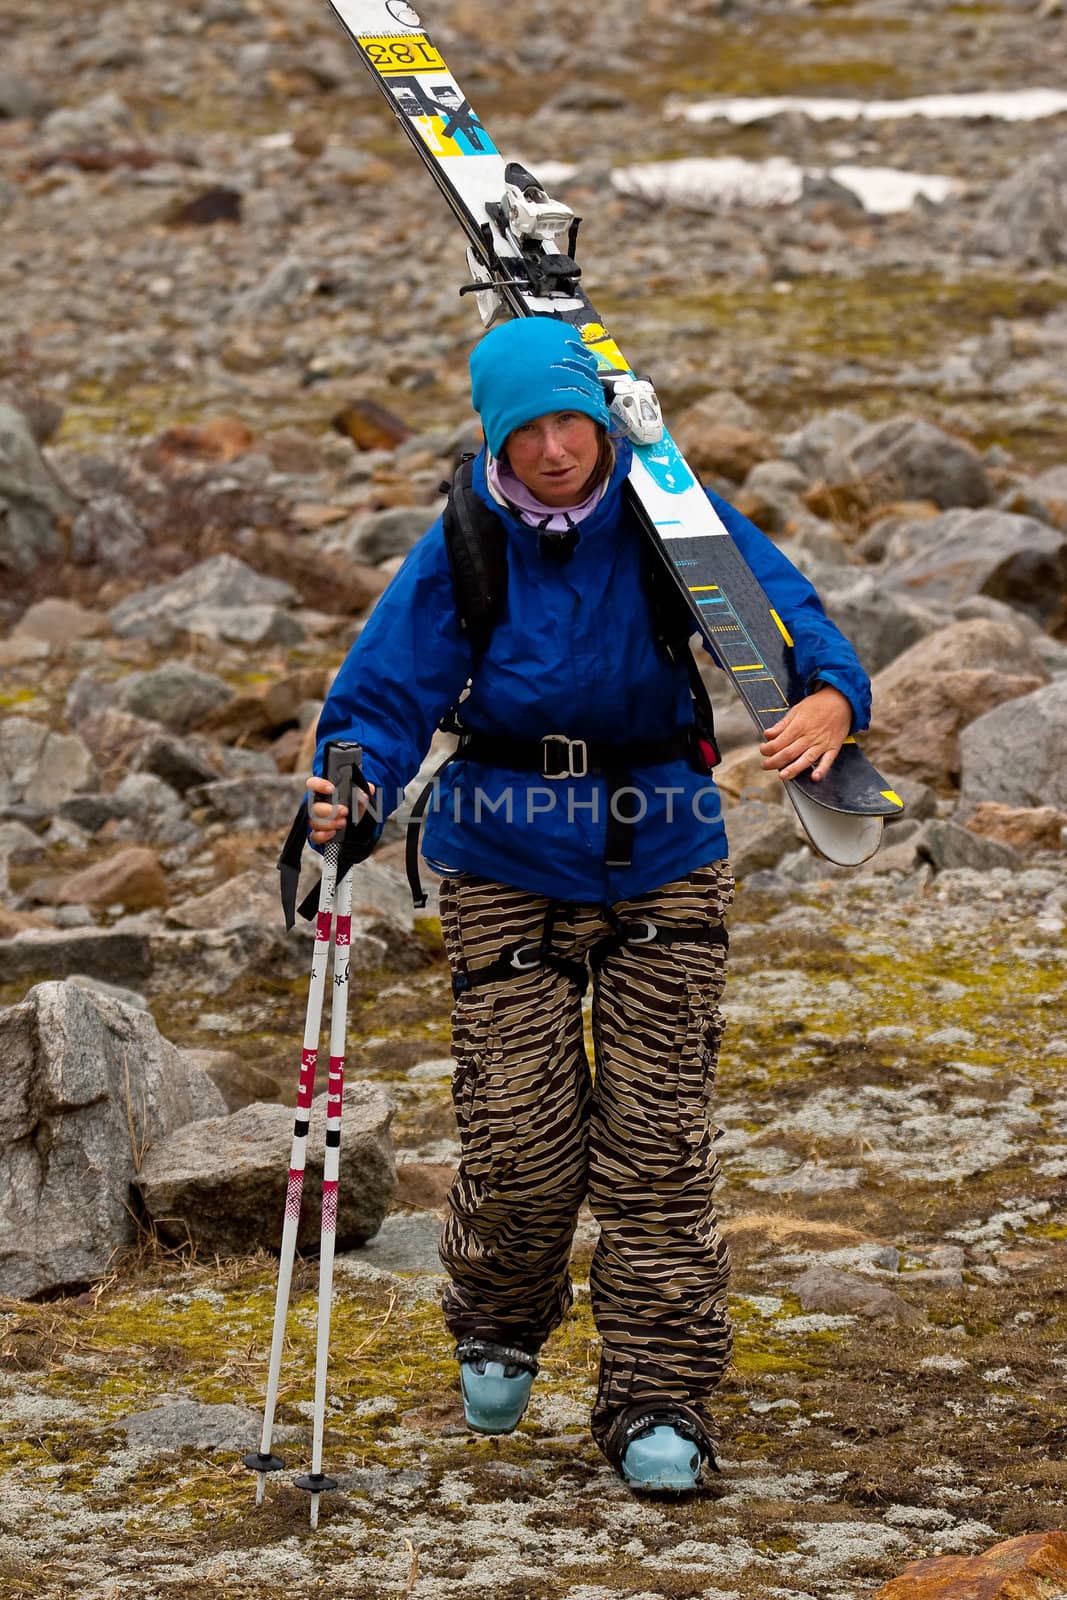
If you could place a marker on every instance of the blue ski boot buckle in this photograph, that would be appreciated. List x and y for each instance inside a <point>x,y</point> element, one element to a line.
<point>662,1453</point>
<point>495,1381</point>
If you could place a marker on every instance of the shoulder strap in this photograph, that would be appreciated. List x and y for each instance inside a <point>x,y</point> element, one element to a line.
<point>475,539</point>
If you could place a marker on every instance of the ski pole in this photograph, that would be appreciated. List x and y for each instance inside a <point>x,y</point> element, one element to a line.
<point>316,1482</point>
<point>339,761</point>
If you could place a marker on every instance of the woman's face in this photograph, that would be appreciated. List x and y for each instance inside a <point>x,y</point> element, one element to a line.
<point>555,456</point>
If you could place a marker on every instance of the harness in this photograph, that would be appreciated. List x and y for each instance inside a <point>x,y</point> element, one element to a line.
<point>519,959</point>
<point>476,545</point>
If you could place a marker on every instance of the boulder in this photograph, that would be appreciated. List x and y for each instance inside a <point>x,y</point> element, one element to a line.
<point>1049,488</point>
<point>1014,754</point>
<point>116,955</point>
<point>880,624</point>
<point>965,553</point>
<point>32,500</point>
<point>21,97</point>
<point>948,847</point>
<point>222,1182</point>
<point>221,597</point>
<point>759,834</point>
<point>924,698</point>
<point>825,1288</point>
<point>255,802</point>
<point>383,534</point>
<point>107,534</point>
<point>1025,217</point>
<point>370,426</point>
<point>88,1085</point>
<point>817,447</point>
<point>1024,828</point>
<point>39,767</point>
<point>741,776</point>
<point>132,879</point>
<point>59,622</point>
<point>176,694</point>
<point>251,897</point>
<point>908,458</point>
<point>1032,1567</point>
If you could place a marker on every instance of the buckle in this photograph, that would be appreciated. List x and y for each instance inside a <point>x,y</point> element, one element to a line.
<point>525,957</point>
<point>567,750</point>
<point>642,932</point>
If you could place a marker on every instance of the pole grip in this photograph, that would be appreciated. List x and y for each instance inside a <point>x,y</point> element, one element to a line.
<point>342,759</point>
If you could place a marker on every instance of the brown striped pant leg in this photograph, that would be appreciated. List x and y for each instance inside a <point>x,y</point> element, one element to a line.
<point>659,1274</point>
<point>521,1092</point>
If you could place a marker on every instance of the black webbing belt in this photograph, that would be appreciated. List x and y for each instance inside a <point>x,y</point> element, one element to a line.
<point>555,757</point>
<point>521,958</point>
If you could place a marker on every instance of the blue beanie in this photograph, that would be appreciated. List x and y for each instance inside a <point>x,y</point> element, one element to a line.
<point>529,368</point>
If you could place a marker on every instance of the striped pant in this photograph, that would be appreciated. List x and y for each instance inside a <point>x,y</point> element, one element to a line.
<point>538,1136</point>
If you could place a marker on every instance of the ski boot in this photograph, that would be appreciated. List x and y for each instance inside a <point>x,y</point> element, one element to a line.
<point>495,1381</point>
<point>662,1452</point>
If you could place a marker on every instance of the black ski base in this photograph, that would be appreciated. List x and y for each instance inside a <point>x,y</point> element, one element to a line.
<point>315,1483</point>
<point>258,1462</point>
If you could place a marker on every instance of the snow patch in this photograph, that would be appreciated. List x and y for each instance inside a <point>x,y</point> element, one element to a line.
<point>717,183</point>
<point>1016,105</point>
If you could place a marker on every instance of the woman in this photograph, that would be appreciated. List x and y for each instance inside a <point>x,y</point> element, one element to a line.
<point>578,831</point>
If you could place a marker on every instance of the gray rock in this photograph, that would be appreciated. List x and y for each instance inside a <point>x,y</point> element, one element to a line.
<point>114,991</point>
<point>881,624</point>
<point>209,596</point>
<point>245,625</point>
<point>252,897</point>
<point>257,802</point>
<point>910,459</point>
<point>208,961</point>
<point>406,1244</point>
<point>190,1424</point>
<point>31,499</point>
<point>963,553</point>
<point>388,533</point>
<point>222,1182</point>
<point>1014,754</point>
<point>87,1084</point>
<point>817,448</point>
<point>176,694</point>
<point>1025,217</point>
<point>810,1179</point>
<point>40,767</point>
<point>182,764</point>
<point>928,694</point>
<point>286,281</point>
<point>107,533</point>
<point>759,835</point>
<point>946,846</point>
<point>19,97</point>
<point>98,119</point>
<point>824,1288</point>
<point>116,955</point>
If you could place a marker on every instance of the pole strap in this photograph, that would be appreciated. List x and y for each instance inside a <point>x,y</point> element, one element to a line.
<point>357,842</point>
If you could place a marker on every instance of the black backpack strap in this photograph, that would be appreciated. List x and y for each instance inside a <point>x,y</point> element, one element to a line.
<point>475,540</point>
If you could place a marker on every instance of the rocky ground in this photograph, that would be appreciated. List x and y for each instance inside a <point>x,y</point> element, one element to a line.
<point>232,377</point>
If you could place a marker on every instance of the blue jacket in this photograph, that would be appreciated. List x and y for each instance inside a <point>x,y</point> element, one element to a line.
<point>574,653</point>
